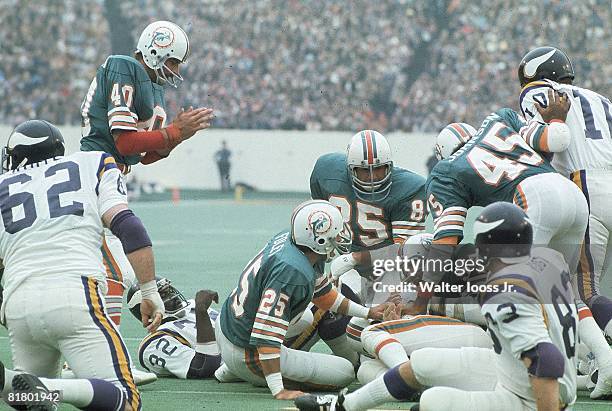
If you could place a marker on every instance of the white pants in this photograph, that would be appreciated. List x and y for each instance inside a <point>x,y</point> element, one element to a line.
<point>424,331</point>
<point>300,369</point>
<point>558,212</point>
<point>596,254</point>
<point>47,319</point>
<point>462,379</point>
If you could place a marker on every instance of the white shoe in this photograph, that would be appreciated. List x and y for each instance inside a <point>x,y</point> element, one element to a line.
<point>143,377</point>
<point>603,388</point>
<point>223,374</point>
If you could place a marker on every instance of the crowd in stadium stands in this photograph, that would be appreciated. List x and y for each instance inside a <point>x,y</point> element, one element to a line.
<point>391,65</point>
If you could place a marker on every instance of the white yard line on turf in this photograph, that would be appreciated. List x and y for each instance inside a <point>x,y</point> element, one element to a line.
<point>266,394</point>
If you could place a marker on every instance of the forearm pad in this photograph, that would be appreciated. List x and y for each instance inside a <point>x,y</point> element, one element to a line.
<point>136,142</point>
<point>546,361</point>
<point>129,230</point>
<point>203,366</point>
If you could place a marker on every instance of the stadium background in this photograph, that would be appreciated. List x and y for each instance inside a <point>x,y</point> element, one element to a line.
<point>405,68</point>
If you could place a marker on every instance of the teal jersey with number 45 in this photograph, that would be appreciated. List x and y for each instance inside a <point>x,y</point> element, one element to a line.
<point>121,97</point>
<point>373,222</point>
<point>274,288</point>
<point>488,168</point>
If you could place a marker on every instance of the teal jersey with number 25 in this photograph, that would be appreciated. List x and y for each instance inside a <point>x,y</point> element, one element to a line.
<point>274,288</point>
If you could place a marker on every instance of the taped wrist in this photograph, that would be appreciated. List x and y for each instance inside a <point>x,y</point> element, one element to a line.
<point>546,361</point>
<point>275,382</point>
<point>203,366</point>
<point>129,230</point>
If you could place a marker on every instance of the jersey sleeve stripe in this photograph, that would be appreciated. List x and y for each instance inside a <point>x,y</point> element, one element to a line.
<point>266,317</point>
<point>271,324</point>
<point>122,110</point>
<point>121,119</point>
<point>404,233</point>
<point>459,210</point>
<point>267,337</point>
<point>408,223</point>
<point>270,328</point>
<point>449,231</point>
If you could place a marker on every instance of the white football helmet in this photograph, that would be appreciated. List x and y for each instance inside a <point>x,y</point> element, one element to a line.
<point>369,149</point>
<point>160,41</point>
<point>452,138</point>
<point>319,225</point>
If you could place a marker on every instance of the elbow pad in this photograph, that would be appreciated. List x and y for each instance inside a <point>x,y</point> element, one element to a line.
<point>559,136</point>
<point>129,230</point>
<point>546,361</point>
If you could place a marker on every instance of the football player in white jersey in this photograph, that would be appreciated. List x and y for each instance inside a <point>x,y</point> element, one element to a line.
<point>587,161</point>
<point>184,345</point>
<point>54,210</point>
<point>533,326</point>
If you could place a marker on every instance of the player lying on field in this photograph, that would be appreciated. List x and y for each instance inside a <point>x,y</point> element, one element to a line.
<point>273,292</point>
<point>184,345</point>
<point>533,328</point>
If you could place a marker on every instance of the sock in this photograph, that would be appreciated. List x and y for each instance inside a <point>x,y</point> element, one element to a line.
<point>90,395</point>
<point>386,388</point>
<point>601,307</point>
<point>113,300</point>
<point>77,392</point>
<point>591,335</point>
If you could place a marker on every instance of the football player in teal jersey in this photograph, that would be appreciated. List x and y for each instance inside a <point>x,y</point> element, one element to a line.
<point>124,112</point>
<point>497,164</point>
<point>382,203</point>
<point>273,291</point>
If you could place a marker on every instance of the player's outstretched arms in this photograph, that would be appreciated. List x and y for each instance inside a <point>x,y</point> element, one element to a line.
<point>138,249</point>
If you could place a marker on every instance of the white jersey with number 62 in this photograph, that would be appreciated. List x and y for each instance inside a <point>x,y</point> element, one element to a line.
<point>51,217</point>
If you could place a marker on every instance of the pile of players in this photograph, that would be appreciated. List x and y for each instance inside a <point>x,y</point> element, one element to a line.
<point>69,242</point>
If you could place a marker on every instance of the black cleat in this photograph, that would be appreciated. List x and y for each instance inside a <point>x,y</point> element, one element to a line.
<point>311,402</point>
<point>415,407</point>
<point>32,388</point>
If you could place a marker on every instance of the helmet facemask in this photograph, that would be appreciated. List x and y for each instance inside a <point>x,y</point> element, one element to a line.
<point>371,189</point>
<point>341,244</point>
<point>162,79</point>
<point>174,301</point>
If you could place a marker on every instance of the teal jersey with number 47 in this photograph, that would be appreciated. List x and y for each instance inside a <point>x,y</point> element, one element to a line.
<point>274,288</point>
<point>488,168</point>
<point>373,222</point>
<point>121,97</point>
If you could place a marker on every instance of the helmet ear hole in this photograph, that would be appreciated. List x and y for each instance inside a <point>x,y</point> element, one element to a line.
<point>321,241</point>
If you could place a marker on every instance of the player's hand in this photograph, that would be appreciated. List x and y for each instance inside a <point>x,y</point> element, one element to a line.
<point>392,312</point>
<point>193,120</point>
<point>151,314</point>
<point>558,106</point>
<point>376,312</point>
<point>288,395</point>
<point>341,265</point>
<point>204,299</point>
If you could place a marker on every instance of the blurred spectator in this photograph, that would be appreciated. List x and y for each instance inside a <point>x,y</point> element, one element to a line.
<point>222,158</point>
<point>411,65</point>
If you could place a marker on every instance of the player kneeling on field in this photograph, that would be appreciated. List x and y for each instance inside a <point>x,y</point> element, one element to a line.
<point>184,345</point>
<point>533,328</point>
<point>274,290</point>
